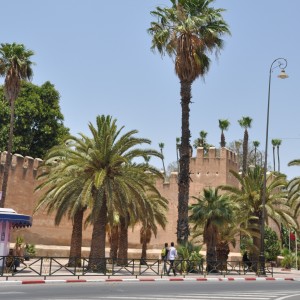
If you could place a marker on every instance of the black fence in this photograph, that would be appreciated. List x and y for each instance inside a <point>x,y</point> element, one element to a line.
<point>65,266</point>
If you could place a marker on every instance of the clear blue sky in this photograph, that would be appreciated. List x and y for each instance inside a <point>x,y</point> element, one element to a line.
<point>97,54</point>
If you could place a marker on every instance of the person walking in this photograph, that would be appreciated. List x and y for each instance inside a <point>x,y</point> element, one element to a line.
<point>164,257</point>
<point>171,256</point>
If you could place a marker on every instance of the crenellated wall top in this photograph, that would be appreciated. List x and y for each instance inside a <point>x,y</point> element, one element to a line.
<point>18,160</point>
<point>216,153</point>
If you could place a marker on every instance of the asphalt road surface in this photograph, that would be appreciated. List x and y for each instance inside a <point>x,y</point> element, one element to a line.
<point>154,290</point>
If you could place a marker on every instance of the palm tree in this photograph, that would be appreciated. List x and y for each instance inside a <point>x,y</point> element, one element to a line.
<point>249,197</point>
<point>201,140</point>
<point>15,65</point>
<point>161,147</point>
<point>278,157</point>
<point>211,212</point>
<point>223,125</point>
<point>112,183</point>
<point>274,146</point>
<point>276,143</point>
<point>256,145</point>
<point>187,30</point>
<point>245,123</point>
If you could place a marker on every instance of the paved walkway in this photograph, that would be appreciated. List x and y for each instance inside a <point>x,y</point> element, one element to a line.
<point>279,274</point>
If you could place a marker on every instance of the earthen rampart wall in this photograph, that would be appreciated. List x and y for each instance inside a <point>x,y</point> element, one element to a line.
<point>208,169</point>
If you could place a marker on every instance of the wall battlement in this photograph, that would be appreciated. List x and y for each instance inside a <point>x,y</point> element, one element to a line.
<point>207,167</point>
<point>18,161</point>
<point>216,153</point>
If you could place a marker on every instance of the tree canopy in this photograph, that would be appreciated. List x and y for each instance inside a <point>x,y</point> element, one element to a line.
<point>38,120</point>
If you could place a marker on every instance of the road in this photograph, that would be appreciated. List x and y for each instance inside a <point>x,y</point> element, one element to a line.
<point>264,290</point>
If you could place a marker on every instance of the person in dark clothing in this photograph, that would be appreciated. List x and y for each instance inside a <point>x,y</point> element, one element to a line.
<point>246,260</point>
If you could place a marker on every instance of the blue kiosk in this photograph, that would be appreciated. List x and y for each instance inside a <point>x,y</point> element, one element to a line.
<point>10,219</point>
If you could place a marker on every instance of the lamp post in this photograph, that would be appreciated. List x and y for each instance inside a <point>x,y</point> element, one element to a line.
<point>282,64</point>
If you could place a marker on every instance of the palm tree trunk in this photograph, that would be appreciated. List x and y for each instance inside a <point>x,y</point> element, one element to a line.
<point>114,241</point>
<point>274,165</point>
<point>222,251</point>
<point>76,240</point>
<point>184,161</point>
<point>255,253</point>
<point>211,244</point>
<point>144,246</point>
<point>245,152</point>
<point>9,153</point>
<point>123,242</point>
<point>223,142</point>
<point>222,254</point>
<point>97,254</point>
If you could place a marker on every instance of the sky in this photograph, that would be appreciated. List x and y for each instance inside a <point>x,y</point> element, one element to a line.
<point>97,54</point>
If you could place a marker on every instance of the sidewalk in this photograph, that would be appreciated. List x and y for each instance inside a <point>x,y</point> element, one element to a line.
<point>279,274</point>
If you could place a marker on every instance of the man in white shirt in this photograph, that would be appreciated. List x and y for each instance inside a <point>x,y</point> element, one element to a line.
<point>172,254</point>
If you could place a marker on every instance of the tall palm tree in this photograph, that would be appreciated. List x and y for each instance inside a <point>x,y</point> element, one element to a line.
<point>256,145</point>
<point>223,125</point>
<point>276,143</point>
<point>188,31</point>
<point>211,212</point>
<point>15,65</point>
<point>274,147</point>
<point>245,123</point>
<point>161,147</point>
<point>249,196</point>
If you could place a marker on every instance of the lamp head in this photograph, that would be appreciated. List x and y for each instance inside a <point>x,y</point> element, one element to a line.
<point>283,75</point>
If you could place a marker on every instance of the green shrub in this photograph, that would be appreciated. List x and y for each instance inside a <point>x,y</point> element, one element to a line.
<point>288,261</point>
<point>192,253</point>
<point>272,244</point>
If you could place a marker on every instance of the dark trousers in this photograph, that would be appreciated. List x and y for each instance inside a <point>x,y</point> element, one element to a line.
<point>164,270</point>
<point>172,267</point>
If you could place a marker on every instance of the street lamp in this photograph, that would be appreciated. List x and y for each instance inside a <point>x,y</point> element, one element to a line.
<point>282,64</point>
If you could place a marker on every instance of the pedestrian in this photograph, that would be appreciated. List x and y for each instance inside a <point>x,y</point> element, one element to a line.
<point>164,257</point>
<point>171,256</point>
<point>246,261</point>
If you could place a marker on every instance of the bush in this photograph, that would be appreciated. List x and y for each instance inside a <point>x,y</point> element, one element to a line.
<point>272,245</point>
<point>288,261</point>
<point>192,253</point>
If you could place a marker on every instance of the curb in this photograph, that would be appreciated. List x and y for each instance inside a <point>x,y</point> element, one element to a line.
<point>146,280</point>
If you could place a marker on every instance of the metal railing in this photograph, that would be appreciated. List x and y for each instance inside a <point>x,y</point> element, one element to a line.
<point>65,266</point>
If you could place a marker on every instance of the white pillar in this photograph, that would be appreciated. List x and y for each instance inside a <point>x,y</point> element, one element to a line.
<point>4,237</point>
